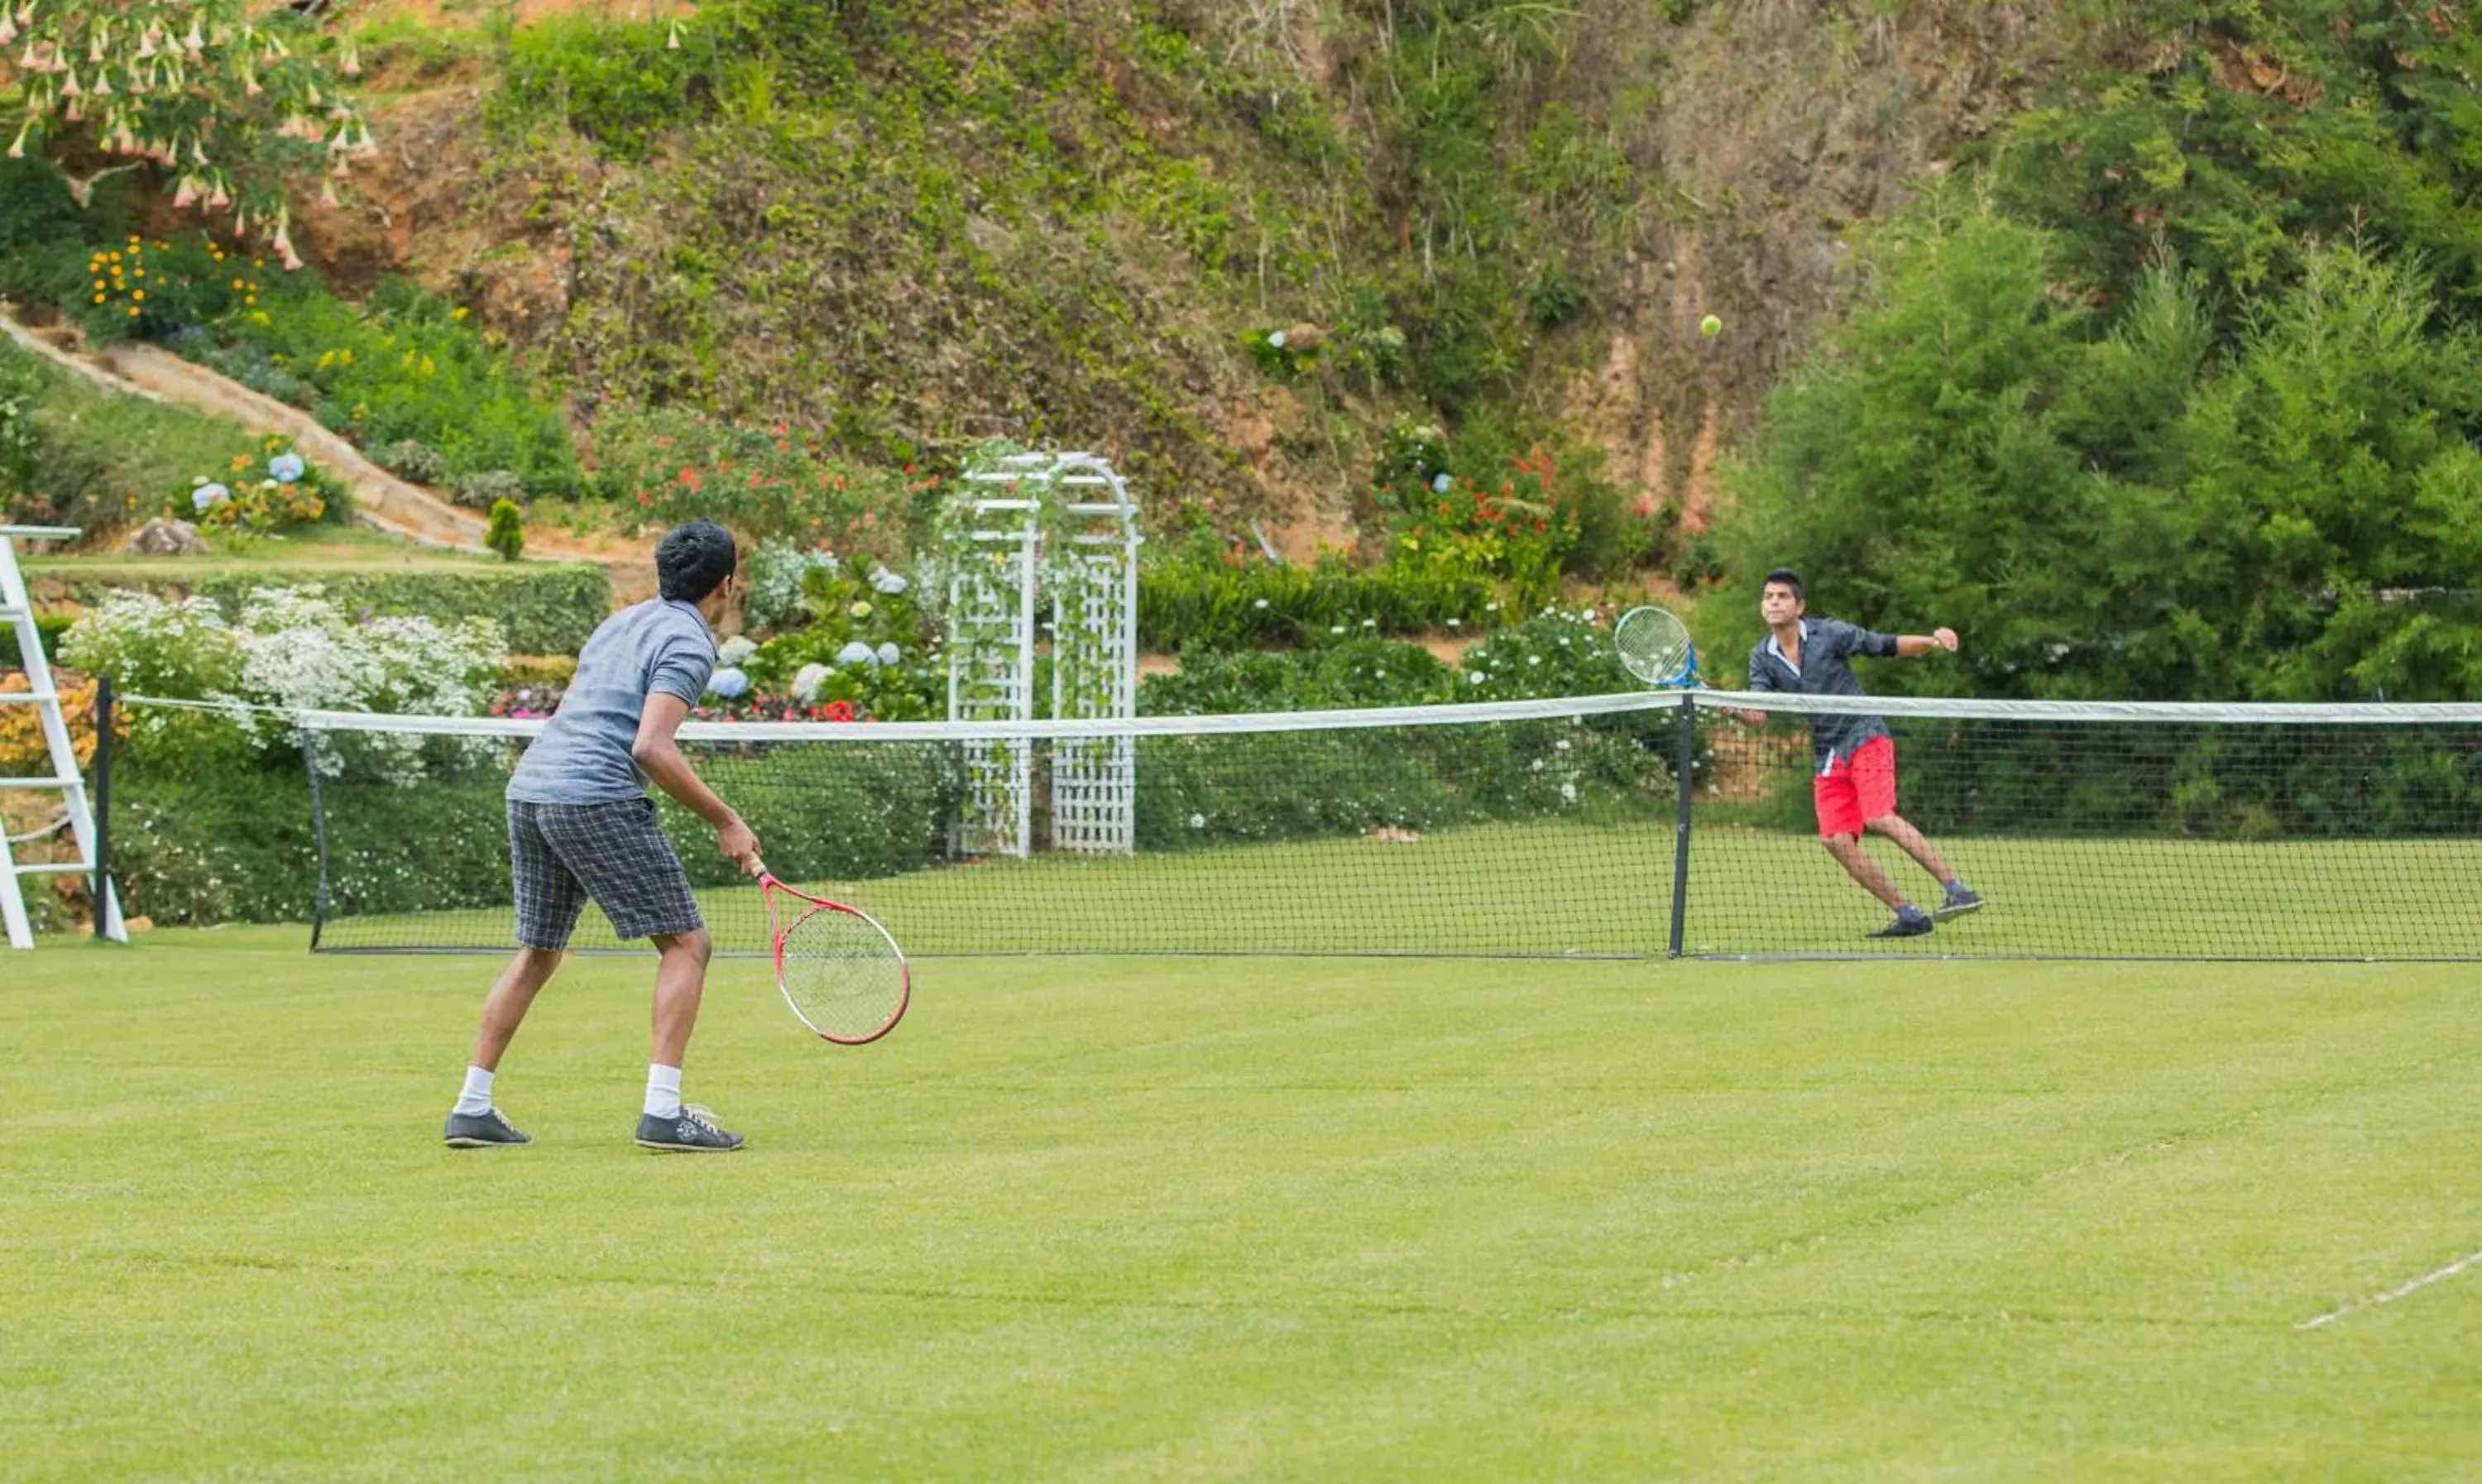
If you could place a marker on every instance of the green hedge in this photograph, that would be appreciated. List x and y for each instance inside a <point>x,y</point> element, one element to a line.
<point>1185,603</point>
<point>51,625</point>
<point>541,608</point>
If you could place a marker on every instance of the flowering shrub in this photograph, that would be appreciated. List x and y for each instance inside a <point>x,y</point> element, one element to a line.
<point>151,289</point>
<point>291,650</point>
<point>1212,790</point>
<point>773,579</point>
<point>24,752</point>
<point>870,650</point>
<point>1520,533</point>
<point>259,497</point>
<point>1207,603</point>
<point>666,466</point>
<point>405,366</point>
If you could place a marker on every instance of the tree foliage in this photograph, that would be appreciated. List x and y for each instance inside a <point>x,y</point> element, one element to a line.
<point>224,98</point>
<point>2121,509</point>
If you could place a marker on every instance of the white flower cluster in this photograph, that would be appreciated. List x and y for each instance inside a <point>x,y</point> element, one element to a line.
<point>771,576</point>
<point>294,650</point>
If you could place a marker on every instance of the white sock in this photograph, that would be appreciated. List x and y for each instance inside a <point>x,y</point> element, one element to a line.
<point>663,1090</point>
<point>476,1098</point>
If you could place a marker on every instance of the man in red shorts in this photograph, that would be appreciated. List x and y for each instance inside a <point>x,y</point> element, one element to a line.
<point>1854,780</point>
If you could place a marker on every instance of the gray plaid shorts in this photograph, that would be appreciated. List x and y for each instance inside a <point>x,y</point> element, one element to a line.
<point>562,854</point>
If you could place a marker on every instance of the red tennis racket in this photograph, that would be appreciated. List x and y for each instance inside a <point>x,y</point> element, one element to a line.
<point>840,971</point>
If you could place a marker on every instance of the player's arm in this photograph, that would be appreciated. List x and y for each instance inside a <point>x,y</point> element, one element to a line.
<point>1852,639</point>
<point>658,752</point>
<point>1759,680</point>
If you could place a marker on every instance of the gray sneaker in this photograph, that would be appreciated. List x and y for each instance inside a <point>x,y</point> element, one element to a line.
<point>481,1130</point>
<point>1912,922</point>
<point>691,1131</point>
<point>1960,901</point>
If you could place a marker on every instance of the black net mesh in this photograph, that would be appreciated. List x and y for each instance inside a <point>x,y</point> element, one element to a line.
<point>2089,831</point>
<point>1518,837</point>
<point>2103,832</point>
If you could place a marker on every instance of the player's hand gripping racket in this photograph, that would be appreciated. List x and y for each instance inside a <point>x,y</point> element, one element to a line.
<point>1655,646</point>
<point>840,971</point>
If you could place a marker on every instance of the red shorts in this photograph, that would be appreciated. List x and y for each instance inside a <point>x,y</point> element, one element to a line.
<point>1856,788</point>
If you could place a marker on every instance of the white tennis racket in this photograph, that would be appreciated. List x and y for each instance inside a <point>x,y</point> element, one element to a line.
<point>1655,646</point>
<point>840,971</point>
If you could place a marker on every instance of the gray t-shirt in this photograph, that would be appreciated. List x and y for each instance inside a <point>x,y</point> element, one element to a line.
<point>583,754</point>
<point>1827,647</point>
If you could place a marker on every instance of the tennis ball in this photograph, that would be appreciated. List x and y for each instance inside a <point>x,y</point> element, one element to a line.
<point>1711,326</point>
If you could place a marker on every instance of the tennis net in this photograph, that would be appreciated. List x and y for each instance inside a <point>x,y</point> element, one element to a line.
<point>1537,827</point>
<point>2102,830</point>
<point>1526,829</point>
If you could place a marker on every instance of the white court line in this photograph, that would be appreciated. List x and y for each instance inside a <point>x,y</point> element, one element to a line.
<point>2392,1294</point>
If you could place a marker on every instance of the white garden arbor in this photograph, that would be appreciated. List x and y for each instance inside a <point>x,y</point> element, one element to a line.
<point>1056,532</point>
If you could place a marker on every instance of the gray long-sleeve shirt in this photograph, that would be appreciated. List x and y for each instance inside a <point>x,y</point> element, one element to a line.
<point>1827,649</point>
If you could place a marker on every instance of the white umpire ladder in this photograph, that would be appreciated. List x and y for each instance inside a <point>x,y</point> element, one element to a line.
<point>17,610</point>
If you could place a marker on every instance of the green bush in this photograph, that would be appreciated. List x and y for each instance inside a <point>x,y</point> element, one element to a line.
<point>487,488</point>
<point>1190,603</point>
<point>405,364</point>
<point>44,235</point>
<point>619,84</point>
<point>507,536</point>
<point>541,608</point>
<point>222,845</point>
<point>50,626</point>
<point>196,846</point>
<point>97,459</point>
<point>2119,510</point>
<point>412,460</point>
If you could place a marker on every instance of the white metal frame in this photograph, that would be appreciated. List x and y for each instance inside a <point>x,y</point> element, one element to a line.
<point>1084,561</point>
<point>17,609</point>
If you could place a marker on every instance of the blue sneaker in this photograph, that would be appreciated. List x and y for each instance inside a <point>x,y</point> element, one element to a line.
<point>1911,922</point>
<point>481,1130</point>
<point>1960,901</point>
<point>691,1131</point>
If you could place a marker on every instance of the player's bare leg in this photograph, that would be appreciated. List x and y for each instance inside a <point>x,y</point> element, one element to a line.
<point>1956,898</point>
<point>680,983</point>
<point>512,995</point>
<point>1857,864</point>
<point>1913,844</point>
<point>474,1122</point>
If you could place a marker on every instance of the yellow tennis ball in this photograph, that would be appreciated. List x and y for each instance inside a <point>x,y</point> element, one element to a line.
<point>1711,326</point>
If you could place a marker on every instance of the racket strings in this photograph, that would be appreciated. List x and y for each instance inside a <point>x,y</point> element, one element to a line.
<point>1654,645</point>
<point>841,974</point>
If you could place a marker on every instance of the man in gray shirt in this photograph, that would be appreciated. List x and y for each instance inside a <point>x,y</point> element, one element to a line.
<point>581,826</point>
<point>1853,776</point>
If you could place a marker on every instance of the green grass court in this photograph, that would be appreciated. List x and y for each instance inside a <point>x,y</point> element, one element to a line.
<point>1250,1218</point>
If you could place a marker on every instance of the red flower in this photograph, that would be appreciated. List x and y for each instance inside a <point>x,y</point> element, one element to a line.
<point>690,477</point>
<point>838,712</point>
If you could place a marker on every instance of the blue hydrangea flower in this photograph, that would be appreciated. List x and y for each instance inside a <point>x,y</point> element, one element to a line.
<point>286,468</point>
<point>728,683</point>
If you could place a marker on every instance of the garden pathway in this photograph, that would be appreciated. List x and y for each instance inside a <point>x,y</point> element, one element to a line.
<point>380,500</point>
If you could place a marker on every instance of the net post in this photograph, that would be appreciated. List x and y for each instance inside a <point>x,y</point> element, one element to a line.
<point>103,719</point>
<point>1683,759</point>
<point>318,834</point>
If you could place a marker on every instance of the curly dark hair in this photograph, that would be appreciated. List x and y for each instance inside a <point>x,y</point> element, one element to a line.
<point>694,560</point>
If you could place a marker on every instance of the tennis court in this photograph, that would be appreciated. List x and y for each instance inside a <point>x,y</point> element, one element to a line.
<point>1152,1218</point>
